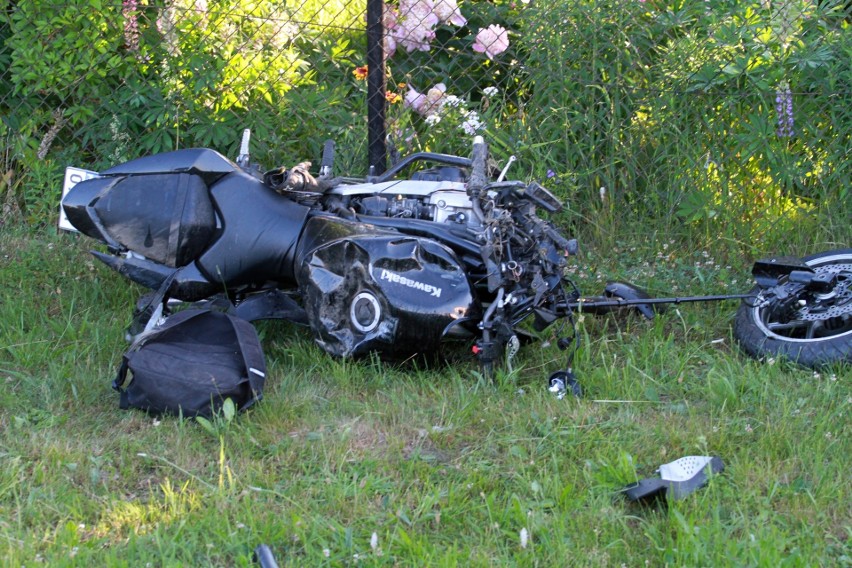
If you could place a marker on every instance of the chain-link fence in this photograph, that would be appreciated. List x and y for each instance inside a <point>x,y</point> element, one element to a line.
<point>681,108</point>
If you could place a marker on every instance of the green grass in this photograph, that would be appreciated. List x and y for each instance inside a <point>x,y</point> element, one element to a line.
<point>444,467</point>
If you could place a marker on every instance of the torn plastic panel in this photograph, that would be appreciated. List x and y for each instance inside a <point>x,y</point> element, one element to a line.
<point>170,227</point>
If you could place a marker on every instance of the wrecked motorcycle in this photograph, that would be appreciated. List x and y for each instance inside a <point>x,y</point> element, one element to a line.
<point>400,264</point>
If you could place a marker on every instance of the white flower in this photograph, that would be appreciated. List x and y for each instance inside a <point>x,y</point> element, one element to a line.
<point>471,126</point>
<point>525,537</point>
<point>489,91</point>
<point>453,101</point>
<point>433,119</point>
<point>374,541</point>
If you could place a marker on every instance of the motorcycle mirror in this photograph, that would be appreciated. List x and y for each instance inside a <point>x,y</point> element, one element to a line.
<point>628,291</point>
<point>563,382</point>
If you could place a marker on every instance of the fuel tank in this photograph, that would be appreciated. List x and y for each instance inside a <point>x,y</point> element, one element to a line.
<point>367,289</point>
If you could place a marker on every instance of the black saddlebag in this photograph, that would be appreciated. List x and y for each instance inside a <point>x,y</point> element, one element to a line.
<point>191,364</point>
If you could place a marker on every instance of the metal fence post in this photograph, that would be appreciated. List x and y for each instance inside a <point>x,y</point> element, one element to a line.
<point>376,102</point>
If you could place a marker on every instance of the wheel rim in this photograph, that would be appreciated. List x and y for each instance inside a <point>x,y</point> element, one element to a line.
<point>823,317</point>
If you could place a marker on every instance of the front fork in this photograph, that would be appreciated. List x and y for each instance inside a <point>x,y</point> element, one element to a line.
<point>496,333</point>
<point>498,339</point>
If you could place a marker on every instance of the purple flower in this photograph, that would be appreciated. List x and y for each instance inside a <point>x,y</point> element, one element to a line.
<point>129,9</point>
<point>784,111</point>
<point>415,25</point>
<point>389,17</point>
<point>426,104</point>
<point>551,174</point>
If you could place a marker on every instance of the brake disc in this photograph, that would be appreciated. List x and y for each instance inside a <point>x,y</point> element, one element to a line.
<point>833,304</point>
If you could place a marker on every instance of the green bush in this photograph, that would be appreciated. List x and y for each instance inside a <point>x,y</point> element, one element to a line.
<point>711,120</point>
<point>671,107</point>
<point>93,84</point>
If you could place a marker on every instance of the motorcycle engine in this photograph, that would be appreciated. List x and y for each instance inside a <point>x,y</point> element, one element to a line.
<point>436,195</point>
<point>440,206</point>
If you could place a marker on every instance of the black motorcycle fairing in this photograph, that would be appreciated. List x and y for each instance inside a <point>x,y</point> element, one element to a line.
<point>167,217</point>
<point>207,163</point>
<point>456,238</point>
<point>271,304</point>
<point>78,207</point>
<point>322,228</point>
<point>138,269</point>
<point>376,290</point>
<point>164,217</point>
<point>259,233</point>
<point>188,283</point>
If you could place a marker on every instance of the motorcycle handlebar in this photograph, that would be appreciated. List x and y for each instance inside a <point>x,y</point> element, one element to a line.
<point>243,158</point>
<point>327,164</point>
<point>478,174</point>
<point>421,156</point>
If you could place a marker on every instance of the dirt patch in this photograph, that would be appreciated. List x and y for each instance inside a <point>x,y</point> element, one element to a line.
<point>364,438</point>
<point>420,447</point>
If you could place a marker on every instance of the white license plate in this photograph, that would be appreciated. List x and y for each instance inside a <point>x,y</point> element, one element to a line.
<point>73,176</point>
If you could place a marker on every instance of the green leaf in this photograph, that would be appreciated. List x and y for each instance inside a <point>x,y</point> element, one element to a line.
<point>229,409</point>
<point>207,425</point>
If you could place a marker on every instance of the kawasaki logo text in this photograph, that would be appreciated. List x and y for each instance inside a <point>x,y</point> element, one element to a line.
<point>397,279</point>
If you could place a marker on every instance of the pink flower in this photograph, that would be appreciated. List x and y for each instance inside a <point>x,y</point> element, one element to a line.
<point>389,25</point>
<point>414,100</point>
<point>428,104</point>
<point>448,12</point>
<point>434,98</point>
<point>415,25</point>
<point>492,41</point>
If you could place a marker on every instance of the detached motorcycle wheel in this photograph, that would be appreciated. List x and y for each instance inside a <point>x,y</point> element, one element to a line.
<point>790,321</point>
